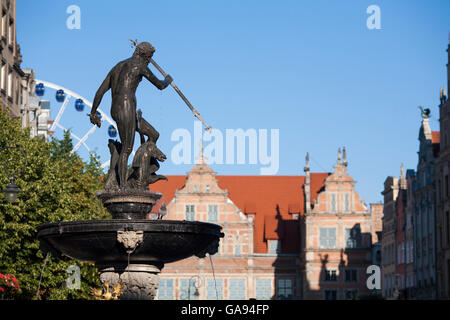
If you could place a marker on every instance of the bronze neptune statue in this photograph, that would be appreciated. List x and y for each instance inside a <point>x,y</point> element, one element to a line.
<point>123,80</point>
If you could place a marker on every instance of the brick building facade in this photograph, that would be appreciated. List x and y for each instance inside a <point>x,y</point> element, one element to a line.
<point>17,85</point>
<point>338,240</point>
<point>389,246</point>
<point>266,221</point>
<point>442,173</point>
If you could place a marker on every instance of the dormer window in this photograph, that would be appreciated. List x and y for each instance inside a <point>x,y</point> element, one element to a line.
<point>274,246</point>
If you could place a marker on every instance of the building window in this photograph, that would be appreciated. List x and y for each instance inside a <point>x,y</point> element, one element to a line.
<point>207,188</point>
<point>274,246</point>
<point>152,216</point>
<point>347,202</point>
<point>212,212</point>
<point>284,289</point>
<point>439,194</point>
<point>327,238</point>
<point>351,294</point>
<point>351,275</point>
<point>165,289</point>
<point>447,214</point>
<point>4,24</point>
<point>378,256</point>
<point>448,277</point>
<point>195,188</point>
<point>333,202</point>
<point>10,83</point>
<point>10,33</point>
<point>237,289</point>
<point>237,250</point>
<point>190,212</point>
<point>330,276</point>
<point>3,76</point>
<point>211,286</point>
<point>330,294</point>
<point>446,185</point>
<point>353,237</point>
<point>188,288</point>
<point>418,248</point>
<point>263,289</point>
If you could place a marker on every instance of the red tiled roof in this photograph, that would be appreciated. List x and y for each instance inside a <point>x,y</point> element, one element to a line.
<point>265,197</point>
<point>435,136</point>
<point>436,141</point>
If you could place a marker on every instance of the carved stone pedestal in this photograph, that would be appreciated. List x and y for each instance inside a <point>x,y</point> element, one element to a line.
<point>139,281</point>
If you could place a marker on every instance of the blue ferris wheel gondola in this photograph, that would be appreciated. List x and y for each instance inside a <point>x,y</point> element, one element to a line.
<point>79,105</point>
<point>60,95</point>
<point>40,89</point>
<point>112,132</point>
<point>99,115</point>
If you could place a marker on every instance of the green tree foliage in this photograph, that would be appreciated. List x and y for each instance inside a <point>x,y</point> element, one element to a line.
<point>57,186</point>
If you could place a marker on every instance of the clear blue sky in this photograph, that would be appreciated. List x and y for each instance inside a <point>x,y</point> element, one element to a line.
<point>311,69</point>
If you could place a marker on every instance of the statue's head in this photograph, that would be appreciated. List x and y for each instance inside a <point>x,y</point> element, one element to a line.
<point>144,50</point>
<point>154,151</point>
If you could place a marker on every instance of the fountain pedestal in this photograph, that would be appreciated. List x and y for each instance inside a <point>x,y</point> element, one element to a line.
<point>139,281</point>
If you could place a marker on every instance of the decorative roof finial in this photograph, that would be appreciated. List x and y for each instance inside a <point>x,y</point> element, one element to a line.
<point>425,113</point>
<point>345,157</point>
<point>339,156</point>
<point>442,95</point>
<point>307,162</point>
<point>402,171</point>
<point>201,157</point>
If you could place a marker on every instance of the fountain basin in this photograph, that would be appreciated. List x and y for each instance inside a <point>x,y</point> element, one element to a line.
<point>163,241</point>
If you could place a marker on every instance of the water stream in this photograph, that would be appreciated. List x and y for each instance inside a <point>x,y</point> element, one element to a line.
<point>42,273</point>
<point>214,276</point>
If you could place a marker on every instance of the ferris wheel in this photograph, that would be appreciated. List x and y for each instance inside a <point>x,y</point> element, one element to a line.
<point>63,97</point>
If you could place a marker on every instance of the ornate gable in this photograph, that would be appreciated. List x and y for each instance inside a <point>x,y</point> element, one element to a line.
<point>339,194</point>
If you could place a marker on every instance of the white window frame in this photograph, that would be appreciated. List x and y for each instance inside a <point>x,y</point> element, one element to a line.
<point>171,289</point>
<point>211,289</point>
<point>237,286</point>
<point>284,288</point>
<point>330,272</point>
<point>213,215</point>
<point>263,288</point>
<point>189,213</point>
<point>327,238</point>
<point>273,246</point>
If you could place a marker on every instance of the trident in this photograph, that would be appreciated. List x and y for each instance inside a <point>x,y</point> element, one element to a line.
<point>194,111</point>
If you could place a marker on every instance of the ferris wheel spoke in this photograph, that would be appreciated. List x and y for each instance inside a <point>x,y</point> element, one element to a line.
<point>60,113</point>
<point>74,135</point>
<point>105,164</point>
<point>91,130</point>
